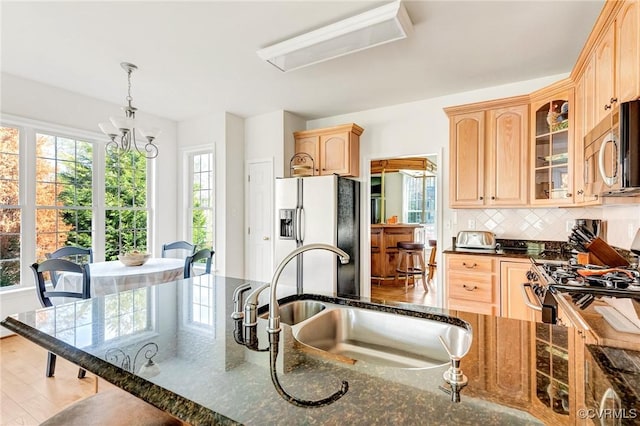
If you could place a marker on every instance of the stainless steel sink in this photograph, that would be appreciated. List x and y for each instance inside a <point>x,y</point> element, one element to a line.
<point>378,337</point>
<point>297,311</point>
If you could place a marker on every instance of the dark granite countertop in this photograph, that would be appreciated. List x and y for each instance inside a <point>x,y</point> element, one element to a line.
<point>206,377</point>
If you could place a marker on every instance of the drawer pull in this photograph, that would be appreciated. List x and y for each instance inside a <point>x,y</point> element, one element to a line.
<point>469,288</point>
<point>469,267</point>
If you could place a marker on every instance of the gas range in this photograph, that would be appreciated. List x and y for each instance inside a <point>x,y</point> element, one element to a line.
<point>583,284</point>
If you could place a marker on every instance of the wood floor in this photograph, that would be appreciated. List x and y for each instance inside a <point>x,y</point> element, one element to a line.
<point>27,397</point>
<point>414,294</point>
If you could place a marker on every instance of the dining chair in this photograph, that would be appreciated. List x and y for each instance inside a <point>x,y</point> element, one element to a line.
<point>75,254</point>
<point>204,254</point>
<point>56,266</point>
<point>178,245</point>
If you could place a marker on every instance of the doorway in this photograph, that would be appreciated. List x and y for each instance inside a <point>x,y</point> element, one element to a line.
<point>403,208</point>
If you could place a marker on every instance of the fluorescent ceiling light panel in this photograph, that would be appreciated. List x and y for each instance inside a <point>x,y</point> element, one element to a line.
<point>373,28</point>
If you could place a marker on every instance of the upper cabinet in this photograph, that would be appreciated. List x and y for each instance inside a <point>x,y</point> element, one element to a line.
<point>552,150</point>
<point>488,154</point>
<point>612,64</point>
<point>334,150</point>
<point>467,133</point>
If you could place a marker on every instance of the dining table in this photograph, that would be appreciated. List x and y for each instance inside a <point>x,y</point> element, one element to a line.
<point>114,276</point>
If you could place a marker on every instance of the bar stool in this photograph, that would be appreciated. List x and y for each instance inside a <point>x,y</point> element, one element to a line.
<point>432,260</point>
<point>411,262</point>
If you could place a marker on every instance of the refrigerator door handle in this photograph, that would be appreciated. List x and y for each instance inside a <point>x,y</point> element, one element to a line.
<point>300,225</point>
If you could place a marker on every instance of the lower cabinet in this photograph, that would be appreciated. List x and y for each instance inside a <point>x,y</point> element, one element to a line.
<point>512,274</point>
<point>472,284</point>
<point>489,285</point>
<point>498,364</point>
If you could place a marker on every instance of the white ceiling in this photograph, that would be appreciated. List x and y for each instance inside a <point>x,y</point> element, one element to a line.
<point>200,57</point>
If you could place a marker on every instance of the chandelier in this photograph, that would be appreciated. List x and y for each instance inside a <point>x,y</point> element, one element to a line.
<point>122,130</point>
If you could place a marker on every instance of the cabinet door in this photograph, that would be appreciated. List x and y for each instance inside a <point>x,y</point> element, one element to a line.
<point>466,155</point>
<point>589,95</point>
<point>604,56</point>
<point>552,150</point>
<point>628,52</point>
<point>507,153</point>
<point>309,145</point>
<point>579,182</point>
<point>507,356</point>
<point>512,275</point>
<point>334,154</point>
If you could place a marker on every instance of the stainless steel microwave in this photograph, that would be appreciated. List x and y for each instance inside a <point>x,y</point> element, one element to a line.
<point>612,153</point>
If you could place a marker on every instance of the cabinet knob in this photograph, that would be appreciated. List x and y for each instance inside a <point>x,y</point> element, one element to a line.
<point>493,198</point>
<point>469,267</point>
<point>481,198</point>
<point>580,192</point>
<point>469,288</point>
<point>613,100</point>
<point>568,195</point>
<point>606,107</point>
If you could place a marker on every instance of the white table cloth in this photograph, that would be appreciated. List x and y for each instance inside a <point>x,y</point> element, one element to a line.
<point>113,276</point>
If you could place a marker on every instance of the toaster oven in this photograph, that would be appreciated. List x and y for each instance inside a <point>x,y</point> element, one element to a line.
<point>476,240</point>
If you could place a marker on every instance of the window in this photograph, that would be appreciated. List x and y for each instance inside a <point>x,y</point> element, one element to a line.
<point>10,212</point>
<point>201,202</point>
<point>126,201</point>
<point>415,210</point>
<point>58,187</point>
<point>64,181</point>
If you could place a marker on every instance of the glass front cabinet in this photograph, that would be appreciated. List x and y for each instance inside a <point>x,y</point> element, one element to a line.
<point>552,150</point>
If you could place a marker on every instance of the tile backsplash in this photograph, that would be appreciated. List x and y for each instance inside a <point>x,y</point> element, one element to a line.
<point>553,224</point>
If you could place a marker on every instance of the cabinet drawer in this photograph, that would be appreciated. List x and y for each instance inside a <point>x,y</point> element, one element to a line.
<point>475,307</point>
<point>470,263</point>
<point>476,287</point>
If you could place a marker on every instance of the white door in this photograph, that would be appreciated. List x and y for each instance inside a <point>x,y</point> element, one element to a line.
<point>259,204</point>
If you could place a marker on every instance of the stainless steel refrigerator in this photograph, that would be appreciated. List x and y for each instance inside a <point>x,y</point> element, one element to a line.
<point>319,209</point>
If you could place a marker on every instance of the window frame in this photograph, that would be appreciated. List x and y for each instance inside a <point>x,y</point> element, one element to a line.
<point>29,128</point>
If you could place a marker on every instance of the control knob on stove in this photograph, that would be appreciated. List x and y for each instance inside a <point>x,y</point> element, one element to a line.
<point>532,276</point>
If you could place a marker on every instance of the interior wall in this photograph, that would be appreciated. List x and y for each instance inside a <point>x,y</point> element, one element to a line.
<point>226,133</point>
<point>235,175</point>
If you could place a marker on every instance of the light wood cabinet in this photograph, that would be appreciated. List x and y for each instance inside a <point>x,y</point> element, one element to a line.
<point>508,153</point>
<point>627,53</point>
<point>472,284</point>
<point>384,249</point>
<point>334,150</point>
<point>616,60</point>
<point>466,153</point>
<point>488,153</point>
<point>498,363</point>
<point>604,74</point>
<point>552,146</point>
<point>508,356</point>
<point>513,273</point>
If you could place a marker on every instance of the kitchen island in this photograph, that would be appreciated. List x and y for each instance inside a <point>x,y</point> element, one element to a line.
<point>205,377</point>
